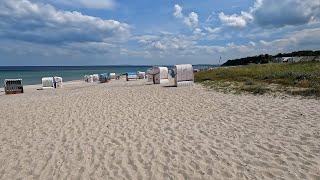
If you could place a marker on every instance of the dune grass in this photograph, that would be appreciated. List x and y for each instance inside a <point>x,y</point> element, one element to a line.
<point>295,78</point>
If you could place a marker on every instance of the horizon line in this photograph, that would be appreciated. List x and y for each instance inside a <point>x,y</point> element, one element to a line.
<point>98,65</point>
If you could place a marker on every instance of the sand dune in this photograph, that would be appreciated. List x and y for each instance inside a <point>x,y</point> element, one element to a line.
<point>128,130</point>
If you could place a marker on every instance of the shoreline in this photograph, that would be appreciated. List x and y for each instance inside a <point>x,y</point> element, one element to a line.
<point>37,86</point>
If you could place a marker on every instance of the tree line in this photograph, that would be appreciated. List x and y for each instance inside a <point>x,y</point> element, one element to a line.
<point>266,58</point>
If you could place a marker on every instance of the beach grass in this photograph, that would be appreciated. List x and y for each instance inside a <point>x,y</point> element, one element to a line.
<point>293,78</point>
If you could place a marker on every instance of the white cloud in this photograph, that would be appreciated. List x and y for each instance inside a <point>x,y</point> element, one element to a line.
<point>191,20</point>
<point>90,4</point>
<point>235,20</point>
<point>178,46</point>
<point>145,39</point>
<point>42,23</point>
<point>197,31</point>
<point>252,43</point>
<point>169,46</point>
<point>176,43</point>
<point>177,11</point>
<point>213,30</point>
<point>275,13</point>
<point>166,42</point>
<point>41,30</point>
<point>307,39</point>
<point>265,43</point>
<point>159,45</point>
<point>286,12</point>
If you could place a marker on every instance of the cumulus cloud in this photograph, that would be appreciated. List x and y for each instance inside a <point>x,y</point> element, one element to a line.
<point>186,46</point>
<point>168,42</point>
<point>159,45</point>
<point>144,39</point>
<point>275,13</point>
<point>35,29</point>
<point>197,31</point>
<point>235,20</point>
<point>182,46</point>
<point>285,12</point>
<point>307,38</point>
<point>177,11</point>
<point>42,23</point>
<point>191,20</point>
<point>176,43</point>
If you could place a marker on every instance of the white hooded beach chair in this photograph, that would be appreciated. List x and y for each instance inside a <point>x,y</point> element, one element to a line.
<point>141,75</point>
<point>112,75</point>
<point>47,83</point>
<point>88,78</point>
<point>183,75</point>
<point>95,77</point>
<point>150,75</point>
<point>161,75</point>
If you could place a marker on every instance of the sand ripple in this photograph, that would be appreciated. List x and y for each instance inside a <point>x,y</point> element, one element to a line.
<point>129,130</point>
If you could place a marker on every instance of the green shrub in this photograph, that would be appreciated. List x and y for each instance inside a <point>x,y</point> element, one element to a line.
<point>296,75</point>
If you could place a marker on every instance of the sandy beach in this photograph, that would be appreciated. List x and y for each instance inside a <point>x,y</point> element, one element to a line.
<point>130,130</point>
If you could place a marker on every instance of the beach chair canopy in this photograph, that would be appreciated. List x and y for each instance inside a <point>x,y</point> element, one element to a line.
<point>112,75</point>
<point>162,71</point>
<point>104,77</point>
<point>48,82</point>
<point>141,75</point>
<point>183,72</point>
<point>159,75</point>
<point>95,77</point>
<point>57,79</point>
<point>88,78</point>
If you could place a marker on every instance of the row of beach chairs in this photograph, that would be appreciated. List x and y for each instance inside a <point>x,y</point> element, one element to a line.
<point>105,77</point>
<point>102,78</point>
<point>182,74</point>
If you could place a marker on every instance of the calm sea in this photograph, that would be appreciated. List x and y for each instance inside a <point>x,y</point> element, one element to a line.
<point>33,74</point>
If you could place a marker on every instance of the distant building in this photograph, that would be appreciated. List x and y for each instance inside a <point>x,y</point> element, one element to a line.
<point>295,59</point>
<point>287,59</point>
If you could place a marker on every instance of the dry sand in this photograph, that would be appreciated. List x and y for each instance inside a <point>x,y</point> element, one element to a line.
<point>128,130</point>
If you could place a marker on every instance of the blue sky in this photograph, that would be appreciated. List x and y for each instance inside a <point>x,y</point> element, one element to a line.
<point>113,32</point>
